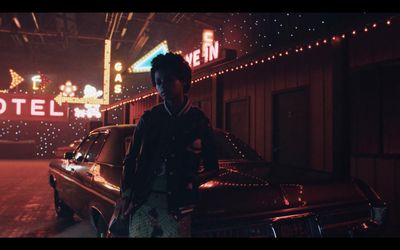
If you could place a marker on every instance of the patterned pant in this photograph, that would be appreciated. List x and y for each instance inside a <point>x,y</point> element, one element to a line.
<point>152,219</point>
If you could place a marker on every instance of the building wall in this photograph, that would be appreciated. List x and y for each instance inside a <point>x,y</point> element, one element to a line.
<point>378,169</point>
<point>311,70</point>
<point>138,108</point>
<point>200,95</point>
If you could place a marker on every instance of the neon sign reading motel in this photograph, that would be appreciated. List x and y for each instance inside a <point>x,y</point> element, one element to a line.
<point>32,108</point>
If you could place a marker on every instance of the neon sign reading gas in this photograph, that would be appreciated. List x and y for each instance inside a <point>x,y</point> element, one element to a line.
<point>208,52</point>
<point>31,107</point>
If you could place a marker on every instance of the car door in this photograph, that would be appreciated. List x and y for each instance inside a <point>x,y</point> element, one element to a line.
<point>107,171</point>
<point>86,173</point>
<point>109,168</point>
<point>76,187</point>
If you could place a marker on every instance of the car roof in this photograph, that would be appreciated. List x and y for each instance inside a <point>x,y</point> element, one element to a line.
<point>130,126</point>
<point>114,127</point>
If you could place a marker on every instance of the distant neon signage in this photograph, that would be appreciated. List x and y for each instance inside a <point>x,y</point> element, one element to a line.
<point>31,108</point>
<point>68,89</point>
<point>117,88</point>
<point>208,52</point>
<point>16,79</point>
<point>36,80</point>
<point>91,110</point>
<point>118,78</point>
<point>60,98</point>
<point>144,63</point>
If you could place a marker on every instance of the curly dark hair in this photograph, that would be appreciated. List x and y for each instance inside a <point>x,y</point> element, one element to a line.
<point>174,63</point>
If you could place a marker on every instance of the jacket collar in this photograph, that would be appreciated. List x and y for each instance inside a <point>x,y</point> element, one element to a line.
<point>184,110</point>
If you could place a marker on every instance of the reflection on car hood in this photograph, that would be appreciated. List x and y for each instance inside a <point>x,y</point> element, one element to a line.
<point>256,186</point>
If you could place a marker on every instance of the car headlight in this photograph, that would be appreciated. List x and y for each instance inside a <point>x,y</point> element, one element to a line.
<point>378,214</point>
<point>378,207</point>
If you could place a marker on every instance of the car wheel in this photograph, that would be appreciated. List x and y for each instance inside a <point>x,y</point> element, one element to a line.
<point>62,210</point>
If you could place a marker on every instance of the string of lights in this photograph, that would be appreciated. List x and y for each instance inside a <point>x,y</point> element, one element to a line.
<point>299,49</point>
<point>47,135</point>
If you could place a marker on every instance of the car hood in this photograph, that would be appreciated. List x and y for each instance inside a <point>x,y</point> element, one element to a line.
<point>250,187</point>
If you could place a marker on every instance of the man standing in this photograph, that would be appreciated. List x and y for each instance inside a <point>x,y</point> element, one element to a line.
<point>161,170</point>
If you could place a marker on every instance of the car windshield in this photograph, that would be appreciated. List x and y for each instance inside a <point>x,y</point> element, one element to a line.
<point>231,147</point>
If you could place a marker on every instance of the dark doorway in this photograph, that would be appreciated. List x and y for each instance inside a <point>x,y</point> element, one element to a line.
<point>290,136</point>
<point>238,118</point>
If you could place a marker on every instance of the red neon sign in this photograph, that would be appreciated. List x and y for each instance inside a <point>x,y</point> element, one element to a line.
<point>32,108</point>
<point>209,50</point>
<point>197,57</point>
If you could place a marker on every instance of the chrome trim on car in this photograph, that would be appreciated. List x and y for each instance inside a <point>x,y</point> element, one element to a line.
<point>92,207</point>
<point>85,188</point>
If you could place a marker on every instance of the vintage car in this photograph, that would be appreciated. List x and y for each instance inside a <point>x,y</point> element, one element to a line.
<point>249,198</point>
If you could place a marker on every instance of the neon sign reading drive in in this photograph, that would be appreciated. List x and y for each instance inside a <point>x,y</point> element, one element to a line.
<point>208,52</point>
<point>31,108</point>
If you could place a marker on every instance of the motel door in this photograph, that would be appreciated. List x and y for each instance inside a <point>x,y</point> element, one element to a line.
<point>290,134</point>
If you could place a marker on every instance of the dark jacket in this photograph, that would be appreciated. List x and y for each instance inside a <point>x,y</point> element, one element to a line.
<point>180,141</point>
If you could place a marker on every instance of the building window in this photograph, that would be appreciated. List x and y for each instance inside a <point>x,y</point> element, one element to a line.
<point>375,110</point>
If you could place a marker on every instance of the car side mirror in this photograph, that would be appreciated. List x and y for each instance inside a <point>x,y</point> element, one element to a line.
<point>68,155</point>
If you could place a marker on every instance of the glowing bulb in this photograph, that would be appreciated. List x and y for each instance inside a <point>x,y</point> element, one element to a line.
<point>388,22</point>
<point>354,32</point>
